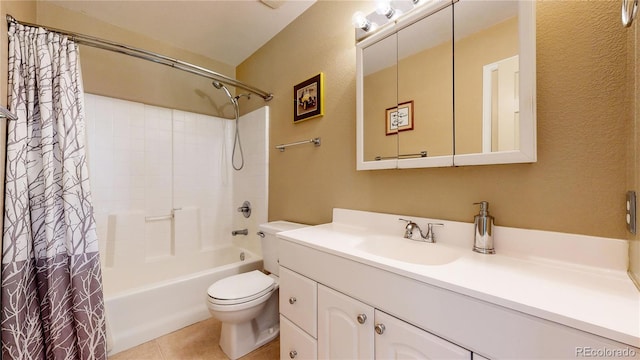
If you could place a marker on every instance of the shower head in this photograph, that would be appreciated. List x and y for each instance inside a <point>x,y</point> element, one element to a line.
<point>219,85</point>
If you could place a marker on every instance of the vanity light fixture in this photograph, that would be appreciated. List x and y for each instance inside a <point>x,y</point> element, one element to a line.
<point>386,12</point>
<point>383,7</point>
<point>360,21</point>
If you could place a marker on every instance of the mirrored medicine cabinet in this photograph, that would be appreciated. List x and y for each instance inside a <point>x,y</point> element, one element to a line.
<point>448,84</point>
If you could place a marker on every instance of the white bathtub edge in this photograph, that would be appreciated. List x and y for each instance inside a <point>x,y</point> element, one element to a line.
<point>147,332</point>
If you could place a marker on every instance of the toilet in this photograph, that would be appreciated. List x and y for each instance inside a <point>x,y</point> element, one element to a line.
<point>247,304</point>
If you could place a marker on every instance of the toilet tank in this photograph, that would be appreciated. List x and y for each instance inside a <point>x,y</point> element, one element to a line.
<point>270,242</point>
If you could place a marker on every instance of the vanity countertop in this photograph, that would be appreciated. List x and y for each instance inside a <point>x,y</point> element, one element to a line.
<point>589,297</point>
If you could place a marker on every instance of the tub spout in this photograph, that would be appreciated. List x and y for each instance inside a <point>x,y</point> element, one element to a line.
<point>240,232</point>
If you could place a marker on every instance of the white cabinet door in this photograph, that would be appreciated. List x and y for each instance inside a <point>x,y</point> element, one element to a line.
<point>396,339</point>
<point>345,326</point>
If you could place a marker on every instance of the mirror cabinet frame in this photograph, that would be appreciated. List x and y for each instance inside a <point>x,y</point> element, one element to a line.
<point>527,153</point>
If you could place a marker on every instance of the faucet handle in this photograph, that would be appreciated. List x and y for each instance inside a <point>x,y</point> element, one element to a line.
<point>431,225</point>
<point>431,237</point>
<point>410,224</point>
<point>408,230</point>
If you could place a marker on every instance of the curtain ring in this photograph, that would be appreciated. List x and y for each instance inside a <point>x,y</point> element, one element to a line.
<point>629,12</point>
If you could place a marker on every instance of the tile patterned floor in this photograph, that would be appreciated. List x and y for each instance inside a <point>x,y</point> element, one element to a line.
<point>195,342</point>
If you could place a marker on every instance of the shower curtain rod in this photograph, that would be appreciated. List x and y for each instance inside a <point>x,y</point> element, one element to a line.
<point>150,56</point>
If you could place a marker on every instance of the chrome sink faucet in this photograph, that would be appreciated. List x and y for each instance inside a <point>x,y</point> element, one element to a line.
<point>411,227</point>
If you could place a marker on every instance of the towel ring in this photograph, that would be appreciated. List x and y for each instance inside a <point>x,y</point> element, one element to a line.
<point>629,12</point>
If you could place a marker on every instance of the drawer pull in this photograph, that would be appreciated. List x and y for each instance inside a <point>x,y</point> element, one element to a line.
<point>379,329</point>
<point>292,300</point>
<point>362,318</point>
<point>293,354</point>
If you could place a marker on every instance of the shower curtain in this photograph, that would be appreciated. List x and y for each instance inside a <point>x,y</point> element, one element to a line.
<point>52,305</point>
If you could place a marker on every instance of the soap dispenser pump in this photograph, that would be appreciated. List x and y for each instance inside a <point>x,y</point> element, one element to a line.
<point>483,225</point>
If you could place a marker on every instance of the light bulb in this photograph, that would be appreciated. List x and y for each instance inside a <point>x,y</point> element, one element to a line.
<point>360,21</point>
<point>383,7</point>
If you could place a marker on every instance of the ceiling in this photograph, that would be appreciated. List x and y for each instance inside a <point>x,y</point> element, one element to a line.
<point>228,31</point>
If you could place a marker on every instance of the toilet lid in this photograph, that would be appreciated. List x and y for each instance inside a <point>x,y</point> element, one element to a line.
<point>240,288</point>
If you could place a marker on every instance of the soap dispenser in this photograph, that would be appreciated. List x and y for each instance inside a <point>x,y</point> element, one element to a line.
<point>483,226</point>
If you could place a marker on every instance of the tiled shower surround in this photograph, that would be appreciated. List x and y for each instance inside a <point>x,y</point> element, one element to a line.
<point>148,163</point>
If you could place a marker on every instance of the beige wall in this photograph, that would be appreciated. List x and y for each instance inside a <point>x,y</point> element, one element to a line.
<point>124,77</point>
<point>115,75</point>
<point>576,186</point>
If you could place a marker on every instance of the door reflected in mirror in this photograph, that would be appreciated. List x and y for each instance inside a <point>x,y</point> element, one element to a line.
<point>486,77</point>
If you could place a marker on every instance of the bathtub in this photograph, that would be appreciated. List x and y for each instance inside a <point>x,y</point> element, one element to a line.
<point>139,315</point>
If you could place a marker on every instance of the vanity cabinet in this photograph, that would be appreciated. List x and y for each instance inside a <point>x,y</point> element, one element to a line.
<point>470,327</point>
<point>350,329</point>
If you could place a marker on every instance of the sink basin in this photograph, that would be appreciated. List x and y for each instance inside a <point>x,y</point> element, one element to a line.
<point>415,252</point>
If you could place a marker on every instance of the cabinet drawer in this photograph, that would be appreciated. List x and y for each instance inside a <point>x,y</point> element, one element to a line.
<point>298,300</point>
<point>295,343</point>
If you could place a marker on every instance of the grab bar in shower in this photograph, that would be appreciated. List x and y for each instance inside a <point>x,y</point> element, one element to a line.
<point>315,141</point>
<point>162,217</point>
<point>158,218</point>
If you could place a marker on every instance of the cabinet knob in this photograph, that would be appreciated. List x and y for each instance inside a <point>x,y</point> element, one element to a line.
<point>292,300</point>
<point>362,318</point>
<point>379,329</point>
<point>293,354</point>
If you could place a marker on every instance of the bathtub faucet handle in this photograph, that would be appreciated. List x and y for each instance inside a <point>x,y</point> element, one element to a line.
<point>245,209</point>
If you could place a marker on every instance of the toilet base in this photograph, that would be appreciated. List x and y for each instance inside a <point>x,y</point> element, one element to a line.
<point>234,340</point>
<point>239,339</point>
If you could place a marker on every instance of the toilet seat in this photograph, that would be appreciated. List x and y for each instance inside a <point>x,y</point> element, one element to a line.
<point>241,288</point>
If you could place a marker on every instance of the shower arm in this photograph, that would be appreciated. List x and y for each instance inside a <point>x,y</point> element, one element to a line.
<point>150,56</point>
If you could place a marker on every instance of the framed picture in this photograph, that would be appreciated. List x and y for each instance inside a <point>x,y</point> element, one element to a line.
<point>399,118</point>
<point>308,101</point>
